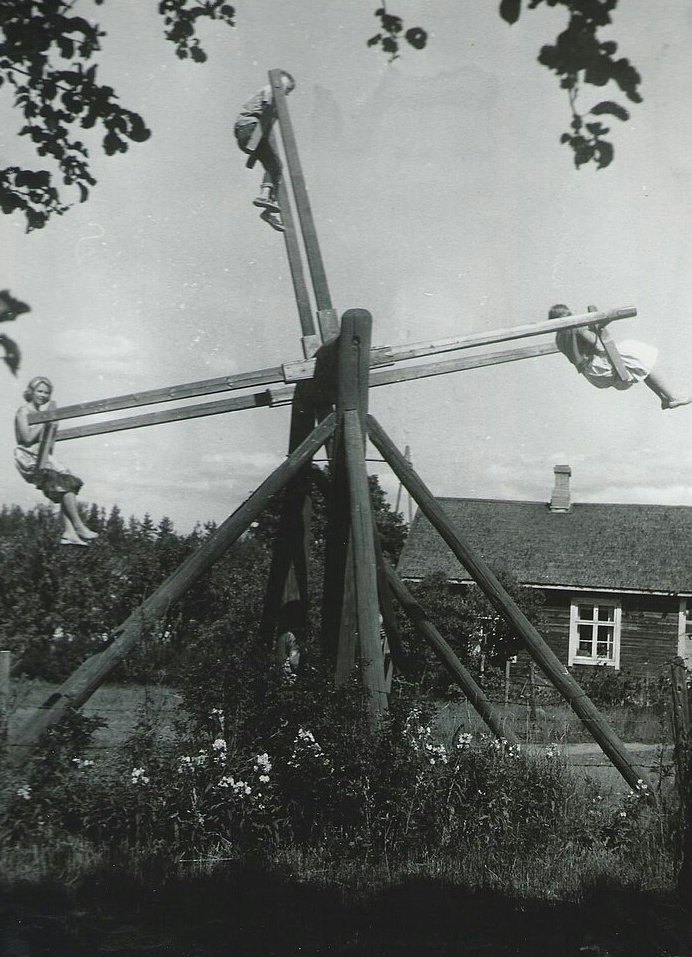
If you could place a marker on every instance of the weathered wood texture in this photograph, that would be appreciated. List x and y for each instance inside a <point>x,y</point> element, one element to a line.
<point>500,599</point>
<point>648,633</point>
<point>189,390</point>
<point>352,402</point>
<point>449,659</point>
<point>286,599</point>
<point>295,263</point>
<point>307,223</point>
<point>294,371</point>
<point>87,678</point>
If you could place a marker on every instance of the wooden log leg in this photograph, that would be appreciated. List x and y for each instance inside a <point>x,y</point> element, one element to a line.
<point>367,607</point>
<point>542,654</point>
<point>286,598</point>
<point>92,673</point>
<point>449,659</point>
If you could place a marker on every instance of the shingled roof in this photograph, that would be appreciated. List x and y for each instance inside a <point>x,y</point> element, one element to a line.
<point>642,548</point>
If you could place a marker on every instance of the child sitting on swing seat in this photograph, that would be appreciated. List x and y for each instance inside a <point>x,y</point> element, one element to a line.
<point>584,349</point>
<point>251,114</point>
<point>56,482</point>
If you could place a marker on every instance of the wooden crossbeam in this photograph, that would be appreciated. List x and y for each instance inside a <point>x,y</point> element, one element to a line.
<point>304,369</point>
<point>188,390</point>
<point>253,401</point>
<point>284,395</point>
<point>294,371</point>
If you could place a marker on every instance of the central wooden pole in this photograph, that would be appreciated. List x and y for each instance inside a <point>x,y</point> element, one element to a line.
<point>353,370</point>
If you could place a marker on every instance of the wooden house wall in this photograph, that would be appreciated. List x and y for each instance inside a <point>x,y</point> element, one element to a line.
<point>648,636</point>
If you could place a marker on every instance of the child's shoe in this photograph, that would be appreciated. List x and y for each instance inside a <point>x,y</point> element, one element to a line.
<point>675,403</point>
<point>274,220</point>
<point>268,203</point>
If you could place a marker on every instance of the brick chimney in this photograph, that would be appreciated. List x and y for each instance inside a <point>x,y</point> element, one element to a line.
<point>560,499</point>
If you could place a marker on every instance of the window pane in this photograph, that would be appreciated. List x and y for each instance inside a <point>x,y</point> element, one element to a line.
<point>604,642</point>
<point>606,613</point>
<point>585,612</point>
<point>585,644</point>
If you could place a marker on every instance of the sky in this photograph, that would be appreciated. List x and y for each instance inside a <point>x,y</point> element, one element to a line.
<point>444,204</point>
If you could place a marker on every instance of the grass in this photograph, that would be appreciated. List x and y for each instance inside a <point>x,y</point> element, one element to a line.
<point>121,707</point>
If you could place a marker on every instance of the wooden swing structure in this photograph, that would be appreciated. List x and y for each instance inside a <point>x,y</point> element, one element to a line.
<point>328,391</point>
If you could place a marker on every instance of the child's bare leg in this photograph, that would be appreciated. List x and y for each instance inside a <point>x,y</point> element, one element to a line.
<point>669,399</point>
<point>70,513</point>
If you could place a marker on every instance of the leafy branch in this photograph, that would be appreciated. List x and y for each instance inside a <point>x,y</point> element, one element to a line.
<point>45,59</point>
<point>580,57</point>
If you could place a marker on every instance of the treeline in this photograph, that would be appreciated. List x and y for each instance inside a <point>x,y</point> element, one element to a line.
<point>59,604</point>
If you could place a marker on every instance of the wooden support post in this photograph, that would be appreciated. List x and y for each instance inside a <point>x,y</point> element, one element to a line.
<point>307,223</point>
<point>5,657</point>
<point>286,600</point>
<point>92,672</point>
<point>501,600</point>
<point>682,732</point>
<point>352,404</point>
<point>449,659</point>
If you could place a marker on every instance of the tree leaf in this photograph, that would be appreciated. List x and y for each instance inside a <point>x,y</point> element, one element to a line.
<point>614,109</point>
<point>510,10</point>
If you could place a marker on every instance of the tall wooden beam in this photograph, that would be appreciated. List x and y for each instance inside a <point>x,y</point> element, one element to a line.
<point>92,673</point>
<point>311,340</point>
<point>352,404</point>
<point>542,654</point>
<point>325,310</point>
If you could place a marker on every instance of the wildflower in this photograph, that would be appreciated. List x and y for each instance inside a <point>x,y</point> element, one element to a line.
<point>552,751</point>
<point>219,744</point>
<point>262,763</point>
<point>463,741</point>
<point>623,813</point>
<point>24,792</point>
<point>264,778</point>
<point>138,777</point>
<point>82,765</point>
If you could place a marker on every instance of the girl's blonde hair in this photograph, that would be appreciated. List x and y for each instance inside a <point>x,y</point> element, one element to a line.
<point>34,384</point>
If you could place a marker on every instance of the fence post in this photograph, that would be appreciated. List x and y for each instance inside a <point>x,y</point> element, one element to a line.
<point>4,702</point>
<point>681,724</point>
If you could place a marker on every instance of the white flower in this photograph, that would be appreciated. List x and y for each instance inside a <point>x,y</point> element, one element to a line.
<point>219,744</point>
<point>138,777</point>
<point>262,763</point>
<point>82,765</point>
<point>264,778</point>
<point>24,792</point>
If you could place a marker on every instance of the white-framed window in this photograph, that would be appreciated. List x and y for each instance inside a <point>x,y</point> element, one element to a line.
<point>594,631</point>
<point>685,630</point>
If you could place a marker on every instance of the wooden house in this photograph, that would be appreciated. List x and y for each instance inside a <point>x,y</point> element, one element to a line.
<point>617,579</point>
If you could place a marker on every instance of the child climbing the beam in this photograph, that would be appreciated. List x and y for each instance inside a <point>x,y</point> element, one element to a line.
<point>256,111</point>
<point>55,481</point>
<point>585,350</point>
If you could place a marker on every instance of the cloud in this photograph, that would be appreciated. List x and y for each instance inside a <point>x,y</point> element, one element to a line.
<point>99,351</point>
